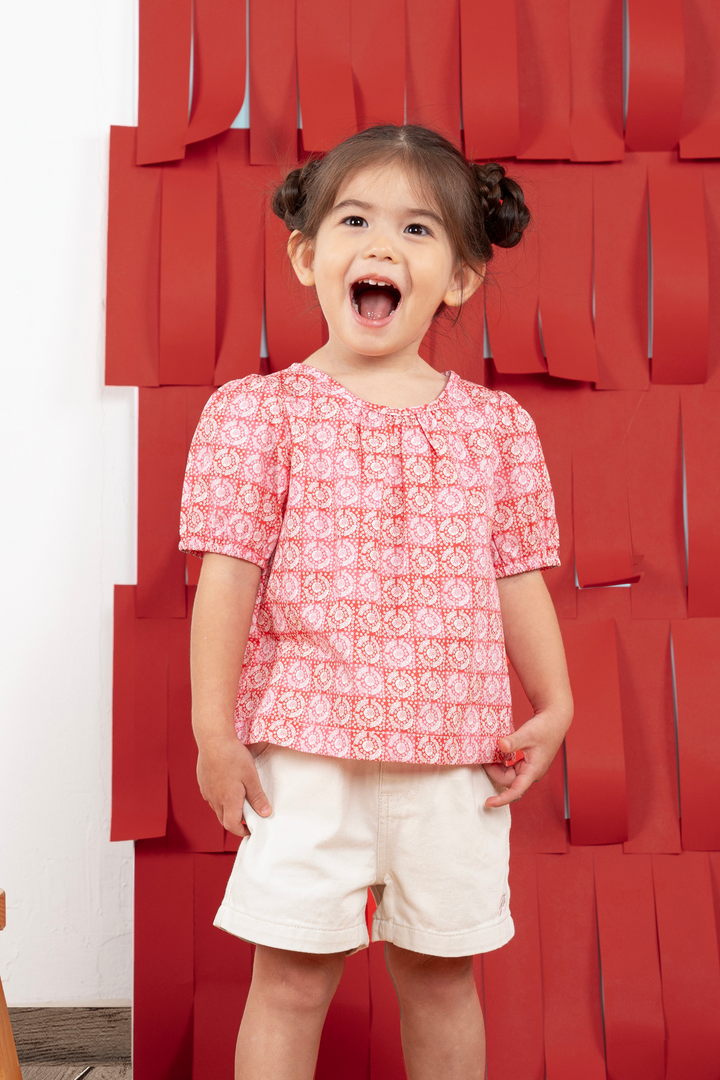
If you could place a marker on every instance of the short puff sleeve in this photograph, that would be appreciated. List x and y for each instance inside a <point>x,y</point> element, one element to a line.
<point>237,473</point>
<point>524,529</point>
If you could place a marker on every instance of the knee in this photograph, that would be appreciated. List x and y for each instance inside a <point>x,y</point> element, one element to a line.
<point>431,979</point>
<point>299,982</point>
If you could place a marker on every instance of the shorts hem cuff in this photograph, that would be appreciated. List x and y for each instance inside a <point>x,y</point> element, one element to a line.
<point>294,938</point>
<point>467,943</point>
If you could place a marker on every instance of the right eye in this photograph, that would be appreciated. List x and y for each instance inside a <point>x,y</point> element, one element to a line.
<point>354,221</point>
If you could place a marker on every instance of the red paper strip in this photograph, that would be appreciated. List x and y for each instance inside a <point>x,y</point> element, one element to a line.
<point>133,266</point>
<point>564,213</point>
<point>594,743</point>
<point>632,991</point>
<point>543,35</point>
<point>327,98</point>
<point>386,1059</point>
<point>556,410</point>
<point>571,976</point>
<point>711,183</point>
<point>538,822</point>
<point>218,67</point>
<point>378,60</point>
<point>433,66</point>
<point>188,268</point>
<point>701,444</point>
<point>680,282</point>
<point>223,970</point>
<point>513,985</point>
<point>511,301</point>
<point>241,257</point>
<point>164,79</point>
<point>345,1042</point>
<point>654,483</point>
<point>458,347</point>
<point>696,647</point>
<point>701,99</point>
<point>293,319</point>
<point>273,83</point>
<point>140,765</point>
<point>714,857</point>
<point>603,543</point>
<point>192,824</point>
<point>648,735</point>
<point>163,945</point>
<point>621,276</point>
<point>489,87</point>
<point>596,53</point>
<point>657,63</point>
<point>689,963</point>
<point>611,602</point>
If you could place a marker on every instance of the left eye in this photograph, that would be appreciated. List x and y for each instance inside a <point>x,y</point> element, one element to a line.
<point>418,230</point>
<point>355,221</point>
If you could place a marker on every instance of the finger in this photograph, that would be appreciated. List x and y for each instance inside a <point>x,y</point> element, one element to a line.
<point>500,775</point>
<point>516,791</point>
<point>237,828</point>
<point>255,794</point>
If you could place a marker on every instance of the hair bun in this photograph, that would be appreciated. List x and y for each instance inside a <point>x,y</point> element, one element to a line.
<point>503,204</point>
<point>289,197</point>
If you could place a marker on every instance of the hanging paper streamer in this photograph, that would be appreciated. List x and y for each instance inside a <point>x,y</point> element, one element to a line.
<point>133,262</point>
<point>680,283</point>
<point>218,67</point>
<point>433,65</point>
<point>596,52</point>
<point>657,74</point>
<point>571,976</point>
<point>621,276</point>
<point>241,259</point>
<point>512,294</point>
<point>327,98</point>
<point>140,756</point>
<point>711,183</point>
<point>273,83</point>
<point>594,743</point>
<point>164,79</point>
<point>386,1060</point>
<point>689,964</point>
<point>293,318</point>
<point>701,445</point>
<point>378,60</point>
<point>696,647</point>
<point>632,991</point>
<point>490,88</point>
<point>513,985</point>
<point>543,35</point>
<point>188,263</point>
<point>646,693</point>
<point>345,1042</point>
<point>701,99</point>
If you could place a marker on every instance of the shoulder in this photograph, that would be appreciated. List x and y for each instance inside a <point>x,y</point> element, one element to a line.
<point>256,399</point>
<point>492,409</point>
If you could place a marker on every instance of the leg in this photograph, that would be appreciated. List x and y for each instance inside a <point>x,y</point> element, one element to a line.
<point>284,1015</point>
<point>440,1017</point>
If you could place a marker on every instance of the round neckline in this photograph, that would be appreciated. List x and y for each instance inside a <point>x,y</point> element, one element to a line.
<point>343,390</point>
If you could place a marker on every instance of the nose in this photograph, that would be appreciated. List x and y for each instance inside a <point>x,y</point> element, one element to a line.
<point>379,246</point>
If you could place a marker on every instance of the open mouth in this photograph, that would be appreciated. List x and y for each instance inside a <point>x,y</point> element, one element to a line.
<point>374,300</point>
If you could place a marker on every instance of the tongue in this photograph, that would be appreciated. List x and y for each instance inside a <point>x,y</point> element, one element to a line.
<point>375,304</point>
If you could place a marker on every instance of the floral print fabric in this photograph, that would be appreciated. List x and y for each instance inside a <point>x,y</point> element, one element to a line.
<point>376,632</point>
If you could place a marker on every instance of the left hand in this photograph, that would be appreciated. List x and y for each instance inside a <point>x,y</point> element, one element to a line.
<point>539,739</point>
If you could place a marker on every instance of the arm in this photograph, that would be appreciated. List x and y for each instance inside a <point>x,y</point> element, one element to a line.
<point>535,649</point>
<point>220,627</point>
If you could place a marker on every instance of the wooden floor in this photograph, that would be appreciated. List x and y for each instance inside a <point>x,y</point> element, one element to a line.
<point>70,1072</point>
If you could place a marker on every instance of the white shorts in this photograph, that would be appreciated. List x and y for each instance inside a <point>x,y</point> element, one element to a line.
<point>419,836</point>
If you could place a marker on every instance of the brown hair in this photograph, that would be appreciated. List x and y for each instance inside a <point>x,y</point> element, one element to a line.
<point>480,205</point>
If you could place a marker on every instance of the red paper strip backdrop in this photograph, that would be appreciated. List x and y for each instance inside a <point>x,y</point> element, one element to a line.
<point>197,267</point>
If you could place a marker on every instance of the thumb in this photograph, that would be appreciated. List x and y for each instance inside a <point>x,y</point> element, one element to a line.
<point>507,744</point>
<point>256,796</point>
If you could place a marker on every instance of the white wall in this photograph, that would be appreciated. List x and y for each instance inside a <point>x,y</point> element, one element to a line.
<point>67,497</point>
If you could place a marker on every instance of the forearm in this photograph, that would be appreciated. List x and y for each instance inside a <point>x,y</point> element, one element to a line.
<point>533,642</point>
<point>222,616</point>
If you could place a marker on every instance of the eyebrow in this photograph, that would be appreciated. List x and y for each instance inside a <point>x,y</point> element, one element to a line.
<point>412,211</point>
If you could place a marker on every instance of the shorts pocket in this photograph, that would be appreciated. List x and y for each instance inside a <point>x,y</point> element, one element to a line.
<point>264,755</point>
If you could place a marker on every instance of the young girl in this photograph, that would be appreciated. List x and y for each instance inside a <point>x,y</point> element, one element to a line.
<point>374,533</point>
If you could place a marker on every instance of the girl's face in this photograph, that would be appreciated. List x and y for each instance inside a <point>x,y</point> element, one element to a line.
<point>382,264</point>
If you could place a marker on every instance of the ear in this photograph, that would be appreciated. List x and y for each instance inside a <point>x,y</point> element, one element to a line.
<point>301,255</point>
<point>465,282</point>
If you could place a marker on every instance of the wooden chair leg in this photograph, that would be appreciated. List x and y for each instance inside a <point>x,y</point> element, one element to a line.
<point>9,1065</point>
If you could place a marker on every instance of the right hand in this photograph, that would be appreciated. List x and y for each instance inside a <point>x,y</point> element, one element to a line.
<point>227,777</point>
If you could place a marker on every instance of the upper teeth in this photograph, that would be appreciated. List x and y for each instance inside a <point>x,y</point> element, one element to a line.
<point>371,281</point>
